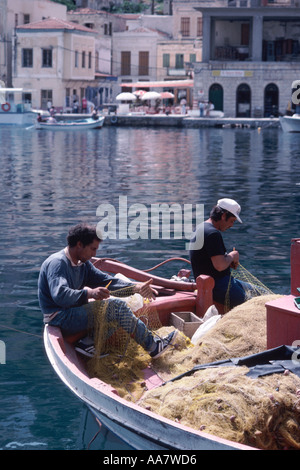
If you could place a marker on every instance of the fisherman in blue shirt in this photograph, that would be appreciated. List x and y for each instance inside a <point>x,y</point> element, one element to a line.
<point>67,281</point>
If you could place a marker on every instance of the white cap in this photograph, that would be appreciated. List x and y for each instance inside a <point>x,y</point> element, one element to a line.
<point>231,206</point>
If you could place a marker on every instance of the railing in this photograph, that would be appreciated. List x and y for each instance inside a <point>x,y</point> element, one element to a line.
<point>261,3</point>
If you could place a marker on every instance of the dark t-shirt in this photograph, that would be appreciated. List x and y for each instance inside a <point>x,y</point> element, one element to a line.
<point>213,246</point>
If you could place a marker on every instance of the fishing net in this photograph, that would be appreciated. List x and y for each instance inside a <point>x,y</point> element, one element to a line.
<point>223,401</point>
<point>253,287</point>
<point>119,360</point>
<point>240,332</point>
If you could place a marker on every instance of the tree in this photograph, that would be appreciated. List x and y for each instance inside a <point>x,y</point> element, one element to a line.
<point>70,4</point>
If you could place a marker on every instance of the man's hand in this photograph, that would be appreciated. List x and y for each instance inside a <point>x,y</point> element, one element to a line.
<point>145,290</point>
<point>222,262</point>
<point>99,293</point>
<point>236,256</point>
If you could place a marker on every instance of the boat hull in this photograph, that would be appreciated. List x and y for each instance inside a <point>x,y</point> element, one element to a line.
<point>134,425</point>
<point>17,119</point>
<point>290,123</point>
<point>73,125</point>
<point>138,427</point>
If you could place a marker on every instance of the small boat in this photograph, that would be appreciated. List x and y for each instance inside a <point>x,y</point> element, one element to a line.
<point>15,109</point>
<point>139,427</point>
<point>290,123</point>
<point>80,124</point>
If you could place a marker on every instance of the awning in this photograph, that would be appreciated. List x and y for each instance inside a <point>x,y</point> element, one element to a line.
<point>105,76</point>
<point>160,84</point>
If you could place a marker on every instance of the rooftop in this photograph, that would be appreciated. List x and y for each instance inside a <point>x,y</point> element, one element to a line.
<point>53,24</point>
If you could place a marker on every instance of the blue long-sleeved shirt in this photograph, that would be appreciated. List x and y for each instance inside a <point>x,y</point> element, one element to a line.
<point>61,284</point>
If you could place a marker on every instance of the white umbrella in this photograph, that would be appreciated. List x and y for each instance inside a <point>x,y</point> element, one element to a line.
<point>139,93</point>
<point>126,96</point>
<point>151,95</point>
<point>166,94</point>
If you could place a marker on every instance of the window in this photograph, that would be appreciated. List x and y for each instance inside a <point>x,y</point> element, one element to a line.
<point>83,59</point>
<point>192,58</point>
<point>166,60</point>
<point>26,18</point>
<point>46,57</point>
<point>76,59</point>
<point>27,98</point>
<point>179,61</point>
<point>199,26</point>
<point>27,57</point>
<point>143,63</point>
<point>46,96</point>
<point>90,60</point>
<point>125,63</point>
<point>68,100</point>
<point>108,29</point>
<point>185,27</point>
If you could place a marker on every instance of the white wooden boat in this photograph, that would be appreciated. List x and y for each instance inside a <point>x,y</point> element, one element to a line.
<point>14,110</point>
<point>80,124</point>
<point>140,428</point>
<point>290,123</point>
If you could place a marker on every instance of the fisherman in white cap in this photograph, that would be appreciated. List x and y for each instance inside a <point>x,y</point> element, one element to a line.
<point>212,258</point>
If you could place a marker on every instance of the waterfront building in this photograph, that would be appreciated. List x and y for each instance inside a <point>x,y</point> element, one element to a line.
<point>15,13</point>
<point>159,48</point>
<point>250,56</point>
<point>104,25</point>
<point>87,54</point>
<point>54,57</point>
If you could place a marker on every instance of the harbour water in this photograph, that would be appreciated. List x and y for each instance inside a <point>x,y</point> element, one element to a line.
<point>50,181</point>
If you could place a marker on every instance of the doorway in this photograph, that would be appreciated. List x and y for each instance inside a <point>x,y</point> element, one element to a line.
<point>243,100</point>
<point>215,96</point>
<point>271,100</point>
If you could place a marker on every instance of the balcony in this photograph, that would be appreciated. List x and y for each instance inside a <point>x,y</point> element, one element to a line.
<point>239,53</point>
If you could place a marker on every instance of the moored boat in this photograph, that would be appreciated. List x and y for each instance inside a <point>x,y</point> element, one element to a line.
<point>135,425</point>
<point>141,427</point>
<point>15,107</point>
<point>290,123</point>
<point>81,124</point>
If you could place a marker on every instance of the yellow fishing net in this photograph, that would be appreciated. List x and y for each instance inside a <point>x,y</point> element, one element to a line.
<point>222,401</point>
<point>118,359</point>
<point>253,287</point>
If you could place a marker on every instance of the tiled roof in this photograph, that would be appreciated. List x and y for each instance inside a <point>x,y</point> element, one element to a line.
<point>143,29</point>
<point>54,24</point>
<point>88,11</point>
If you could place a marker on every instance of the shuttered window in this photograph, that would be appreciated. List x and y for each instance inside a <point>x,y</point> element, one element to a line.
<point>199,27</point>
<point>185,27</point>
<point>125,63</point>
<point>143,63</point>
